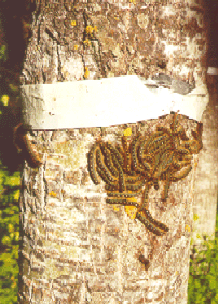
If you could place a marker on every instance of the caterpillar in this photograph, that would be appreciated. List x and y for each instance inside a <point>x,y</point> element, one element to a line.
<point>123,195</point>
<point>127,155</point>
<point>116,163</point>
<point>115,153</point>
<point>165,160</point>
<point>152,138</point>
<point>108,160</point>
<point>181,174</point>
<point>102,170</point>
<point>140,165</point>
<point>92,164</point>
<point>145,200</point>
<point>133,178</point>
<point>136,187</point>
<point>112,187</point>
<point>153,221</point>
<point>150,226</point>
<point>122,201</point>
<point>164,194</point>
<point>134,146</point>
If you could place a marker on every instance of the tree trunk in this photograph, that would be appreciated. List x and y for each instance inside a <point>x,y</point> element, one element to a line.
<point>206,185</point>
<point>76,248</point>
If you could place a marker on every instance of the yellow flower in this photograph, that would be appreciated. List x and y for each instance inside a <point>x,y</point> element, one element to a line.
<point>73,22</point>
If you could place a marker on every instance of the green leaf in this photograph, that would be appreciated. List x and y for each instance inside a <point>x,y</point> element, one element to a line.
<point>197,284</point>
<point>212,282</point>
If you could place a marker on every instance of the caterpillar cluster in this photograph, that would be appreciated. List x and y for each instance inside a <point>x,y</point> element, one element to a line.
<point>130,169</point>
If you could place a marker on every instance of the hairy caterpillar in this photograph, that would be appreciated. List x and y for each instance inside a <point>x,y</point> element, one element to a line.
<point>122,201</point>
<point>149,225</point>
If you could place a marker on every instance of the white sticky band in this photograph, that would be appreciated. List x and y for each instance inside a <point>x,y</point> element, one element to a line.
<point>104,102</point>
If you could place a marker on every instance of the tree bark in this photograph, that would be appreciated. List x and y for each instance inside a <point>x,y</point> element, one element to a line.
<point>206,185</point>
<point>76,248</point>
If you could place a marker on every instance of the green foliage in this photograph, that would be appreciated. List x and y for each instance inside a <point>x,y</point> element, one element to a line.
<point>3,53</point>
<point>9,236</point>
<point>9,211</point>
<point>203,275</point>
<point>3,46</point>
<point>9,191</point>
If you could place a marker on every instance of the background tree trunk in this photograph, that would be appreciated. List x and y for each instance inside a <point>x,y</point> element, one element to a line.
<point>206,185</point>
<point>75,247</point>
<point>205,197</point>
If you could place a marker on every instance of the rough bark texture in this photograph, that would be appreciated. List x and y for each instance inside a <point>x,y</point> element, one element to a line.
<point>123,37</point>
<point>76,248</point>
<point>206,185</point>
